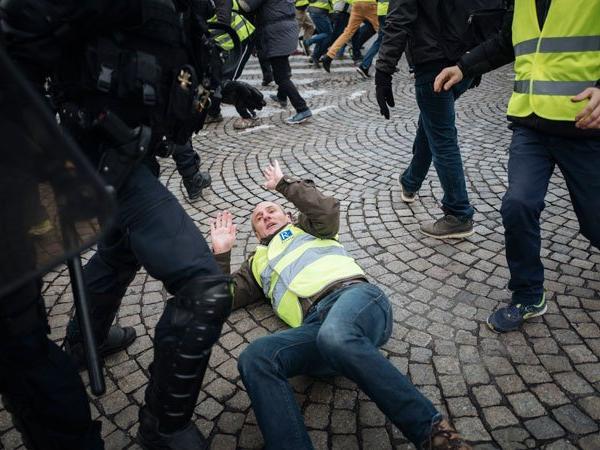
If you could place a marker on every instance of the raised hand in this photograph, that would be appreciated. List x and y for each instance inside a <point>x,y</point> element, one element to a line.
<point>223,232</point>
<point>273,175</point>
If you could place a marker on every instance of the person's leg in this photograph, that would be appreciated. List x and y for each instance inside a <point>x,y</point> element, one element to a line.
<point>282,73</point>
<point>356,18</point>
<point>579,160</point>
<point>39,383</point>
<point>359,322</point>
<point>438,119</point>
<point>305,23</point>
<point>265,366</point>
<point>187,161</point>
<point>530,166</point>
<point>414,175</point>
<point>323,36</point>
<point>373,49</point>
<point>363,34</point>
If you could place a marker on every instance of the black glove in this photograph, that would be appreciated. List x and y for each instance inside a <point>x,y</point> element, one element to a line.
<point>245,98</point>
<point>384,93</point>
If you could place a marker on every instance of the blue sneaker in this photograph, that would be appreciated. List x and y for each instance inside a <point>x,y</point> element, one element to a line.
<point>510,318</point>
<point>299,117</point>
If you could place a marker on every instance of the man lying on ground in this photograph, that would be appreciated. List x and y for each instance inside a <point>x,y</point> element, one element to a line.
<point>338,319</point>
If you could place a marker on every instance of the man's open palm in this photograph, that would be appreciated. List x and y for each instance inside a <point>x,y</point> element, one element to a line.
<point>223,232</point>
<point>273,175</point>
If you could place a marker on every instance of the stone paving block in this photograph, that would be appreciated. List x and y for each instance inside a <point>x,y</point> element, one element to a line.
<point>376,438</point>
<point>591,405</point>
<point>526,405</point>
<point>544,428</point>
<point>472,429</point>
<point>574,420</point>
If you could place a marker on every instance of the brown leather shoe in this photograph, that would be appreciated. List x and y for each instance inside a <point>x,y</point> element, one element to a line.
<point>444,437</point>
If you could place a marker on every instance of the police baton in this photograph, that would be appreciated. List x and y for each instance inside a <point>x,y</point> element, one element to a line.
<point>82,309</point>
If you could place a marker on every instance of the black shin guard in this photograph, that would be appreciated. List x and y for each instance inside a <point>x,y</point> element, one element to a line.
<point>185,334</point>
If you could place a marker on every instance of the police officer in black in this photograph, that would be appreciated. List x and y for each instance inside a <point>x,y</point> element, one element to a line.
<point>127,81</point>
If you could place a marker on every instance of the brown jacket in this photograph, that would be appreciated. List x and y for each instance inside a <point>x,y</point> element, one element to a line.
<point>318,215</point>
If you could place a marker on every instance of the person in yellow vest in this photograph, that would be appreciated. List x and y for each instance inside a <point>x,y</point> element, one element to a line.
<point>245,31</point>
<point>320,14</point>
<point>337,319</point>
<point>307,28</point>
<point>555,117</point>
<point>361,10</point>
<point>365,65</point>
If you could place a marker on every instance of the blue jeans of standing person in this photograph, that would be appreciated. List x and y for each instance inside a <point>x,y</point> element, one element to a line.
<point>436,141</point>
<point>374,48</point>
<point>532,159</point>
<point>324,30</point>
<point>340,335</point>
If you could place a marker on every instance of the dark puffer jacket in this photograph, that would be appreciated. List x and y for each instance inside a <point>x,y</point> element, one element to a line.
<point>410,25</point>
<point>275,24</point>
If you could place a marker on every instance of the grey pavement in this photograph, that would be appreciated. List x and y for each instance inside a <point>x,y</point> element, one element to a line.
<point>538,388</point>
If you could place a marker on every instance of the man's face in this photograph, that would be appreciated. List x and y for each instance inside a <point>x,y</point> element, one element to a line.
<point>267,218</point>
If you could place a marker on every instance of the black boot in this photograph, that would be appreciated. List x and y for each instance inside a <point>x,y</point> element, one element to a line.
<point>195,183</point>
<point>151,438</point>
<point>109,339</point>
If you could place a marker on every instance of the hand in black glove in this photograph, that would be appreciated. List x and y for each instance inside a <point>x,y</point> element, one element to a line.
<point>245,98</point>
<point>384,93</point>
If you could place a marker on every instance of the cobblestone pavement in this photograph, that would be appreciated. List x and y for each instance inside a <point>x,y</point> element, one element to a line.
<point>538,388</point>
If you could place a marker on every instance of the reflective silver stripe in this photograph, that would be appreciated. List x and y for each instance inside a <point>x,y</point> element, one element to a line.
<point>521,86</point>
<point>570,44</point>
<point>526,47</point>
<point>552,87</point>
<point>265,276</point>
<point>308,257</point>
<point>558,45</point>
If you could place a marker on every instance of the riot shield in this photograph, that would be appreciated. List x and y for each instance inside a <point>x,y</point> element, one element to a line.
<point>52,203</point>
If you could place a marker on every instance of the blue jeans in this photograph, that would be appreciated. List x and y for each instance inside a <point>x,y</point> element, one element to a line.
<point>324,31</point>
<point>340,335</point>
<point>437,141</point>
<point>532,158</point>
<point>374,48</point>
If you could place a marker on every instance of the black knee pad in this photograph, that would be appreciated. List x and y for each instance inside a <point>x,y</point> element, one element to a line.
<point>185,334</point>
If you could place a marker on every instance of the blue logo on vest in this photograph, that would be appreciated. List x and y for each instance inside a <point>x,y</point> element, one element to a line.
<point>285,234</point>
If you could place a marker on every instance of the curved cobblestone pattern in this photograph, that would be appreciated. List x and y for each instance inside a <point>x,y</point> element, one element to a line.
<point>538,388</point>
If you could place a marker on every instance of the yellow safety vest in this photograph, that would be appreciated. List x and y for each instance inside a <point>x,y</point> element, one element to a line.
<point>301,3</point>
<point>297,265</point>
<point>557,62</point>
<point>242,27</point>
<point>322,4</point>
<point>382,7</point>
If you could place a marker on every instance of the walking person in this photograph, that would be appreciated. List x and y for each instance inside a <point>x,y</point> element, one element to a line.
<point>365,65</point>
<point>320,14</point>
<point>436,139</point>
<point>554,112</point>
<point>361,10</point>
<point>278,35</point>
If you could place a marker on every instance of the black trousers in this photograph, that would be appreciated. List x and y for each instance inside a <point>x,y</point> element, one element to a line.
<point>38,382</point>
<point>282,73</point>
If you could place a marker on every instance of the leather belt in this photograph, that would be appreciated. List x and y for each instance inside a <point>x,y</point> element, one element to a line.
<point>334,287</point>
